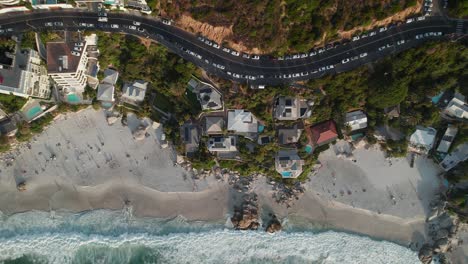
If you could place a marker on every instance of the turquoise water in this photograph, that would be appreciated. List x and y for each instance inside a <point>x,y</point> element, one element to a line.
<point>308,149</point>
<point>33,112</point>
<point>117,237</point>
<point>73,98</point>
<point>261,128</point>
<point>286,174</point>
<point>106,104</point>
<point>436,98</point>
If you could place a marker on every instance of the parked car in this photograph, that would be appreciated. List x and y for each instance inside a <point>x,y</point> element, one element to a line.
<point>362,55</point>
<point>382,29</point>
<point>166,22</point>
<point>356,38</point>
<point>136,23</point>
<point>344,61</point>
<point>400,42</point>
<point>255,57</point>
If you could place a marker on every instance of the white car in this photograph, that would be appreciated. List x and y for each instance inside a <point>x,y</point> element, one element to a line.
<point>362,55</point>
<point>50,24</point>
<point>90,25</point>
<point>82,24</point>
<point>382,29</point>
<point>59,24</point>
<point>166,22</point>
<point>79,44</point>
<point>304,73</point>
<point>136,23</point>
<point>245,56</point>
<point>222,67</point>
<point>235,53</point>
<point>75,53</point>
<point>313,71</point>
<point>312,53</point>
<point>132,27</point>
<point>296,56</point>
<point>215,45</point>
<point>304,55</point>
<point>420,36</point>
<point>356,38</point>
<point>364,36</point>
<point>322,69</point>
<point>382,48</point>
<point>329,67</point>
<point>209,43</point>
<point>421,18</point>
<point>77,49</point>
<point>438,34</point>
<point>373,33</point>
<point>400,42</point>
<point>255,57</point>
<point>102,19</point>
<point>344,61</point>
<point>114,26</point>
<point>227,50</point>
<point>321,51</point>
<point>409,20</point>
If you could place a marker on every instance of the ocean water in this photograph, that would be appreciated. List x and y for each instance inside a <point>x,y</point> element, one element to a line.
<point>103,236</point>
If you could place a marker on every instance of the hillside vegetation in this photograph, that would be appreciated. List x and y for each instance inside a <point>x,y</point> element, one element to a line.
<point>285,24</point>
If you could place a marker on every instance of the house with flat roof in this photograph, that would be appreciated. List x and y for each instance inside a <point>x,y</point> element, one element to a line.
<point>452,159</point>
<point>422,140</point>
<point>22,74</point>
<point>290,134</point>
<point>356,120</point>
<point>218,144</point>
<point>242,122</point>
<point>214,125</point>
<point>190,137</point>
<point>208,96</point>
<point>457,107</point>
<point>106,88</point>
<point>7,127</point>
<point>323,133</point>
<point>447,139</point>
<point>288,164</point>
<point>291,108</point>
<point>67,65</point>
<point>134,93</point>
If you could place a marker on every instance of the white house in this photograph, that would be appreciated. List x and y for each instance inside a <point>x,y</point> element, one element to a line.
<point>242,122</point>
<point>134,93</point>
<point>447,139</point>
<point>222,144</point>
<point>291,108</point>
<point>106,88</point>
<point>457,107</point>
<point>422,140</point>
<point>208,96</point>
<point>288,163</point>
<point>356,120</point>
<point>460,154</point>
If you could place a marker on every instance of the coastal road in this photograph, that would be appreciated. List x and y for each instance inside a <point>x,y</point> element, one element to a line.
<point>264,71</point>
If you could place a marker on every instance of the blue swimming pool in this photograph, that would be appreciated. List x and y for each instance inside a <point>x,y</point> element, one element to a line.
<point>308,149</point>
<point>33,112</point>
<point>436,98</point>
<point>73,98</point>
<point>286,174</point>
<point>261,128</point>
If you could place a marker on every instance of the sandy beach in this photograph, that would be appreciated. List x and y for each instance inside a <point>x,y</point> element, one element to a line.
<point>81,163</point>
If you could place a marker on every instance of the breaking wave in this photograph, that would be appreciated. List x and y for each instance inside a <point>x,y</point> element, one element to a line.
<point>103,236</point>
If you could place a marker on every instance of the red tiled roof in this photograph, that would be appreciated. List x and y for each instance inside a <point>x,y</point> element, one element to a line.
<point>323,132</point>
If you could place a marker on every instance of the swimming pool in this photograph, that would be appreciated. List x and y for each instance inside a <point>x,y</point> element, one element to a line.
<point>33,112</point>
<point>261,128</point>
<point>436,98</point>
<point>308,149</point>
<point>73,98</point>
<point>286,174</point>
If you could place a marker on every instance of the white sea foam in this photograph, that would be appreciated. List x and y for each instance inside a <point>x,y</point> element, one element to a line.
<point>64,243</point>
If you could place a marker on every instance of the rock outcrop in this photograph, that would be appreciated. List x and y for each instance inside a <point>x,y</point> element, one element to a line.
<point>274,225</point>
<point>21,186</point>
<point>425,254</point>
<point>246,215</point>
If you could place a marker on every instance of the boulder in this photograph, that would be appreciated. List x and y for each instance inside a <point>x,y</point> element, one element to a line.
<point>425,254</point>
<point>21,186</point>
<point>441,245</point>
<point>274,225</point>
<point>111,120</point>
